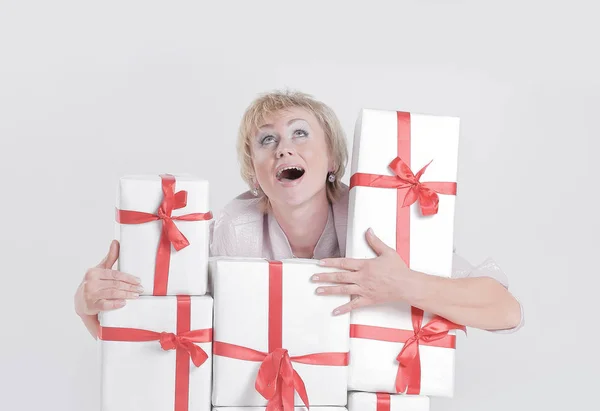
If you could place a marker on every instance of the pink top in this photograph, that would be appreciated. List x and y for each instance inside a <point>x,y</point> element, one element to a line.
<point>241,229</point>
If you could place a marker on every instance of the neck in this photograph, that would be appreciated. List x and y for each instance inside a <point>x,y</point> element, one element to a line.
<point>303,224</point>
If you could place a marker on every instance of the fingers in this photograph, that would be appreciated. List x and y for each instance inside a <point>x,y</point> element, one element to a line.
<point>93,288</point>
<point>107,305</point>
<point>115,294</point>
<point>342,277</point>
<point>346,289</point>
<point>113,254</point>
<point>376,244</point>
<point>118,285</point>
<point>105,289</point>
<point>350,264</point>
<point>101,274</point>
<point>355,303</point>
<point>108,294</point>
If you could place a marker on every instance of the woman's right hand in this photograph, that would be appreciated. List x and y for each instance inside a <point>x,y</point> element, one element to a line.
<point>104,289</point>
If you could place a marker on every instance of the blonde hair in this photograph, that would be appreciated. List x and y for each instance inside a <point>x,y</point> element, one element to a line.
<point>271,102</point>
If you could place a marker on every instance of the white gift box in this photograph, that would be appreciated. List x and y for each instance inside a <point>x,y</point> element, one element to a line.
<point>139,243</point>
<point>423,240</point>
<point>367,401</point>
<point>373,364</point>
<point>142,376</point>
<point>432,139</point>
<point>243,316</point>
<point>264,409</point>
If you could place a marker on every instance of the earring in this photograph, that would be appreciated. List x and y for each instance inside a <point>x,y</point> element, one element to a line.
<point>254,192</point>
<point>331,177</point>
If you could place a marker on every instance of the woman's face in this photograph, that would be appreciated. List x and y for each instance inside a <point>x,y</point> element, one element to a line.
<point>290,157</point>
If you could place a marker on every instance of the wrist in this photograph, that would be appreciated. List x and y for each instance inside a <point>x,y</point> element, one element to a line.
<point>92,323</point>
<point>420,289</point>
<point>412,286</point>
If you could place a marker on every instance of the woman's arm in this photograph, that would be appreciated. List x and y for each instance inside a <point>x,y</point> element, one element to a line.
<point>480,302</point>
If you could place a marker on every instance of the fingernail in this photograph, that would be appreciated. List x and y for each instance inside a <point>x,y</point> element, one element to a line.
<point>315,277</point>
<point>121,303</point>
<point>370,231</point>
<point>139,289</point>
<point>320,291</point>
<point>336,312</point>
<point>138,279</point>
<point>136,295</point>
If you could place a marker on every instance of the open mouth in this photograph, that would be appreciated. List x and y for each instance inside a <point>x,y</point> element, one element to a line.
<point>290,173</point>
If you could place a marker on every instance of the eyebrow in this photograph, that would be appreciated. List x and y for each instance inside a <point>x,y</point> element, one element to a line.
<point>288,123</point>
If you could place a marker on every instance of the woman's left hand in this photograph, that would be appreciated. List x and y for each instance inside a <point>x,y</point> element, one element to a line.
<point>370,281</point>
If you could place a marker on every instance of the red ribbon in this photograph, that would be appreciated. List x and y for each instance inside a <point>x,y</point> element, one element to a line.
<point>408,186</point>
<point>409,189</point>
<point>170,234</point>
<point>182,342</point>
<point>277,380</point>
<point>383,401</point>
<point>434,333</point>
<point>424,192</point>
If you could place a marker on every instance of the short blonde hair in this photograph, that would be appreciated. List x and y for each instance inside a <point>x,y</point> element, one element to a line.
<point>274,101</point>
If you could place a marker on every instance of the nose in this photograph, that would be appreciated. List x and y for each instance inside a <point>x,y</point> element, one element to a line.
<point>284,150</point>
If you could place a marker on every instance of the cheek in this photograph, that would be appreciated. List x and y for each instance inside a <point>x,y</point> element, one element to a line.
<point>262,164</point>
<point>316,157</point>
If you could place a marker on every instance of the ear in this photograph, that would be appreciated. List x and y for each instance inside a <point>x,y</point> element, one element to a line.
<point>331,166</point>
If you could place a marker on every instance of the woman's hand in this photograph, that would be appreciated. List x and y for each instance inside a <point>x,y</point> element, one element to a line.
<point>103,289</point>
<point>479,302</point>
<point>370,281</point>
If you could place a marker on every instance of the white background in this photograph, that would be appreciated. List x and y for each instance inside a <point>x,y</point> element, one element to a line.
<point>91,91</point>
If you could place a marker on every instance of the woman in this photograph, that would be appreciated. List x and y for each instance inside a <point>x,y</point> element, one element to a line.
<point>293,152</point>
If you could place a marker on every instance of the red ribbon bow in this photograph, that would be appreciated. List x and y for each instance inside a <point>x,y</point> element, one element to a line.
<point>168,341</point>
<point>409,359</point>
<point>185,341</point>
<point>277,380</point>
<point>424,192</point>
<point>170,234</point>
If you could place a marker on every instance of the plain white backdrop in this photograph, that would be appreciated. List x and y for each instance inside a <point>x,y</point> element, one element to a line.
<point>92,91</point>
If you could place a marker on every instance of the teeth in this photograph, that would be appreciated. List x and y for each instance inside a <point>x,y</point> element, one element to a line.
<point>288,168</point>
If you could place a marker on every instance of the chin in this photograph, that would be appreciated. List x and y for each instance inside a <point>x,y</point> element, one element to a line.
<point>298,195</point>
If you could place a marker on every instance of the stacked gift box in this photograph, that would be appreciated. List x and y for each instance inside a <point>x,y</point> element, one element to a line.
<point>275,344</point>
<point>403,186</point>
<point>157,350</point>
<point>267,341</point>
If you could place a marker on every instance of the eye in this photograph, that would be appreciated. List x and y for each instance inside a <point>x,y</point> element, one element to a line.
<point>267,139</point>
<point>300,133</point>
